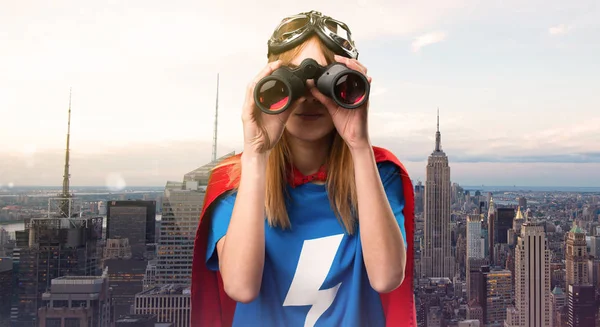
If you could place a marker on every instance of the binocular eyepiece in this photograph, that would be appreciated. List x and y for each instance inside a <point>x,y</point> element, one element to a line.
<point>347,87</point>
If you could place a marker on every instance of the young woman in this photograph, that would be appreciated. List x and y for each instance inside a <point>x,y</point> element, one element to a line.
<point>311,225</point>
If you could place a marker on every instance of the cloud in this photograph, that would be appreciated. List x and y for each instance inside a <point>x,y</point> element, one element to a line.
<point>155,62</point>
<point>413,132</point>
<point>559,29</point>
<point>427,39</point>
<point>378,91</point>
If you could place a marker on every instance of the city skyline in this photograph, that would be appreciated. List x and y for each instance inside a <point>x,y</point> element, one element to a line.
<point>514,84</point>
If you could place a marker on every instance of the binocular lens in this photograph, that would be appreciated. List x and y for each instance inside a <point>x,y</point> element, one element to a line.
<point>350,89</point>
<point>273,94</point>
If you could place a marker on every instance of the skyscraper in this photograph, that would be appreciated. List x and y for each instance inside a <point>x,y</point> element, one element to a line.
<point>559,306</point>
<point>130,243</point>
<point>64,243</point>
<point>7,289</point>
<point>515,231</point>
<point>475,246</point>
<point>475,254</point>
<point>532,279</point>
<point>134,220</point>
<point>523,202</point>
<point>57,247</point>
<point>580,292</point>
<point>182,205</point>
<point>77,301</point>
<point>504,222</point>
<point>437,259</point>
<point>492,230</point>
<point>576,257</point>
<point>498,295</point>
<point>582,306</point>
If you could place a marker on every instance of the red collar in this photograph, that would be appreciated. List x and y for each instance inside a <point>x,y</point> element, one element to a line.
<point>296,178</point>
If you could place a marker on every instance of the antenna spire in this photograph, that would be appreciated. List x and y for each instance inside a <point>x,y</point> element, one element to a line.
<point>64,204</point>
<point>438,135</point>
<point>214,146</point>
<point>66,175</point>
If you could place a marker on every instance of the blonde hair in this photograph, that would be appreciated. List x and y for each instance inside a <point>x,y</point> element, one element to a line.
<point>340,183</point>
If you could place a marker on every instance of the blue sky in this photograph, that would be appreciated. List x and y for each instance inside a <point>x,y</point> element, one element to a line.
<point>516,82</point>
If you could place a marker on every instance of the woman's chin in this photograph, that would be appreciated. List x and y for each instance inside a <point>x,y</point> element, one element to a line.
<point>309,131</point>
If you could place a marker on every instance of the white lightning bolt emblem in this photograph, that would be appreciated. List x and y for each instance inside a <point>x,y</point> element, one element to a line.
<point>313,267</point>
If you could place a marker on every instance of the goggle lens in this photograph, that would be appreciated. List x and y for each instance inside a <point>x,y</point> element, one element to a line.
<point>290,27</point>
<point>342,33</point>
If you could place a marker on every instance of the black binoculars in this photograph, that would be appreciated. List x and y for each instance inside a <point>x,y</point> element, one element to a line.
<point>347,87</point>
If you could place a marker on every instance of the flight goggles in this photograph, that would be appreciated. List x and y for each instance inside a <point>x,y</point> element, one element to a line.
<point>294,30</point>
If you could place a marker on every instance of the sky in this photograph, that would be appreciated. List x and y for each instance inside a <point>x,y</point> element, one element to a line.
<point>516,83</point>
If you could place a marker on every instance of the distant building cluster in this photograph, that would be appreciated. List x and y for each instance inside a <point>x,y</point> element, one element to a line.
<point>77,267</point>
<point>499,260</point>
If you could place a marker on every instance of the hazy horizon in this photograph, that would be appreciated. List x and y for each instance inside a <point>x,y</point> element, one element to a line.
<point>161,187</point>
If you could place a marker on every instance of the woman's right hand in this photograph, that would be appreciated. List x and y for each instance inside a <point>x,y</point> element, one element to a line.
<point>261,131</point>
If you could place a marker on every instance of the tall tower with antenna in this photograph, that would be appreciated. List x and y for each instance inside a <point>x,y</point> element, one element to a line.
<point>438,135</point>
<point>65,197</point>
<point>64,243</point>
<point>436,257</point>
<point>214,145</point>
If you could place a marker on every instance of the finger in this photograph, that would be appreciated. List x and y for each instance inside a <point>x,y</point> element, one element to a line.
<point>352,64</point>
<point>267,70</point>
<point>325,100</point>
<point>341,59</point>
<point>356,63</point>
<point>250,105</point>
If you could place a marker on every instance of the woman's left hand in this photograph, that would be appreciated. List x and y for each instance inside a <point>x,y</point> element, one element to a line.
<point>351,124</point>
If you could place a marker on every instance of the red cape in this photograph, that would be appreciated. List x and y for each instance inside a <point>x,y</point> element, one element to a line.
<point>211,307</point>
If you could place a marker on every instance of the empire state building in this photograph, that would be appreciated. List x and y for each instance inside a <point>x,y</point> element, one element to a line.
<point>436,255</point>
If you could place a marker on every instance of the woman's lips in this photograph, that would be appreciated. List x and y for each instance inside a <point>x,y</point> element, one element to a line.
<point>309,116</point>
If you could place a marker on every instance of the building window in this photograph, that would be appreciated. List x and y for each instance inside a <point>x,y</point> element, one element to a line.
<point>72,322</point>
<point>53,322</point>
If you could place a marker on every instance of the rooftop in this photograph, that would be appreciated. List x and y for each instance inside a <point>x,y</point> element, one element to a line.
<point>136,318</point>
<point>202,173</point>
<point>171,289</point>
<point>519,214</point>
<point>77,280</point>
<point>576,229</point>
<point>80,280</point>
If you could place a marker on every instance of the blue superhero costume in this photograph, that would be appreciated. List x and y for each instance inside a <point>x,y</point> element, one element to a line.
<point>314,273</point>
<point>212,307</point>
